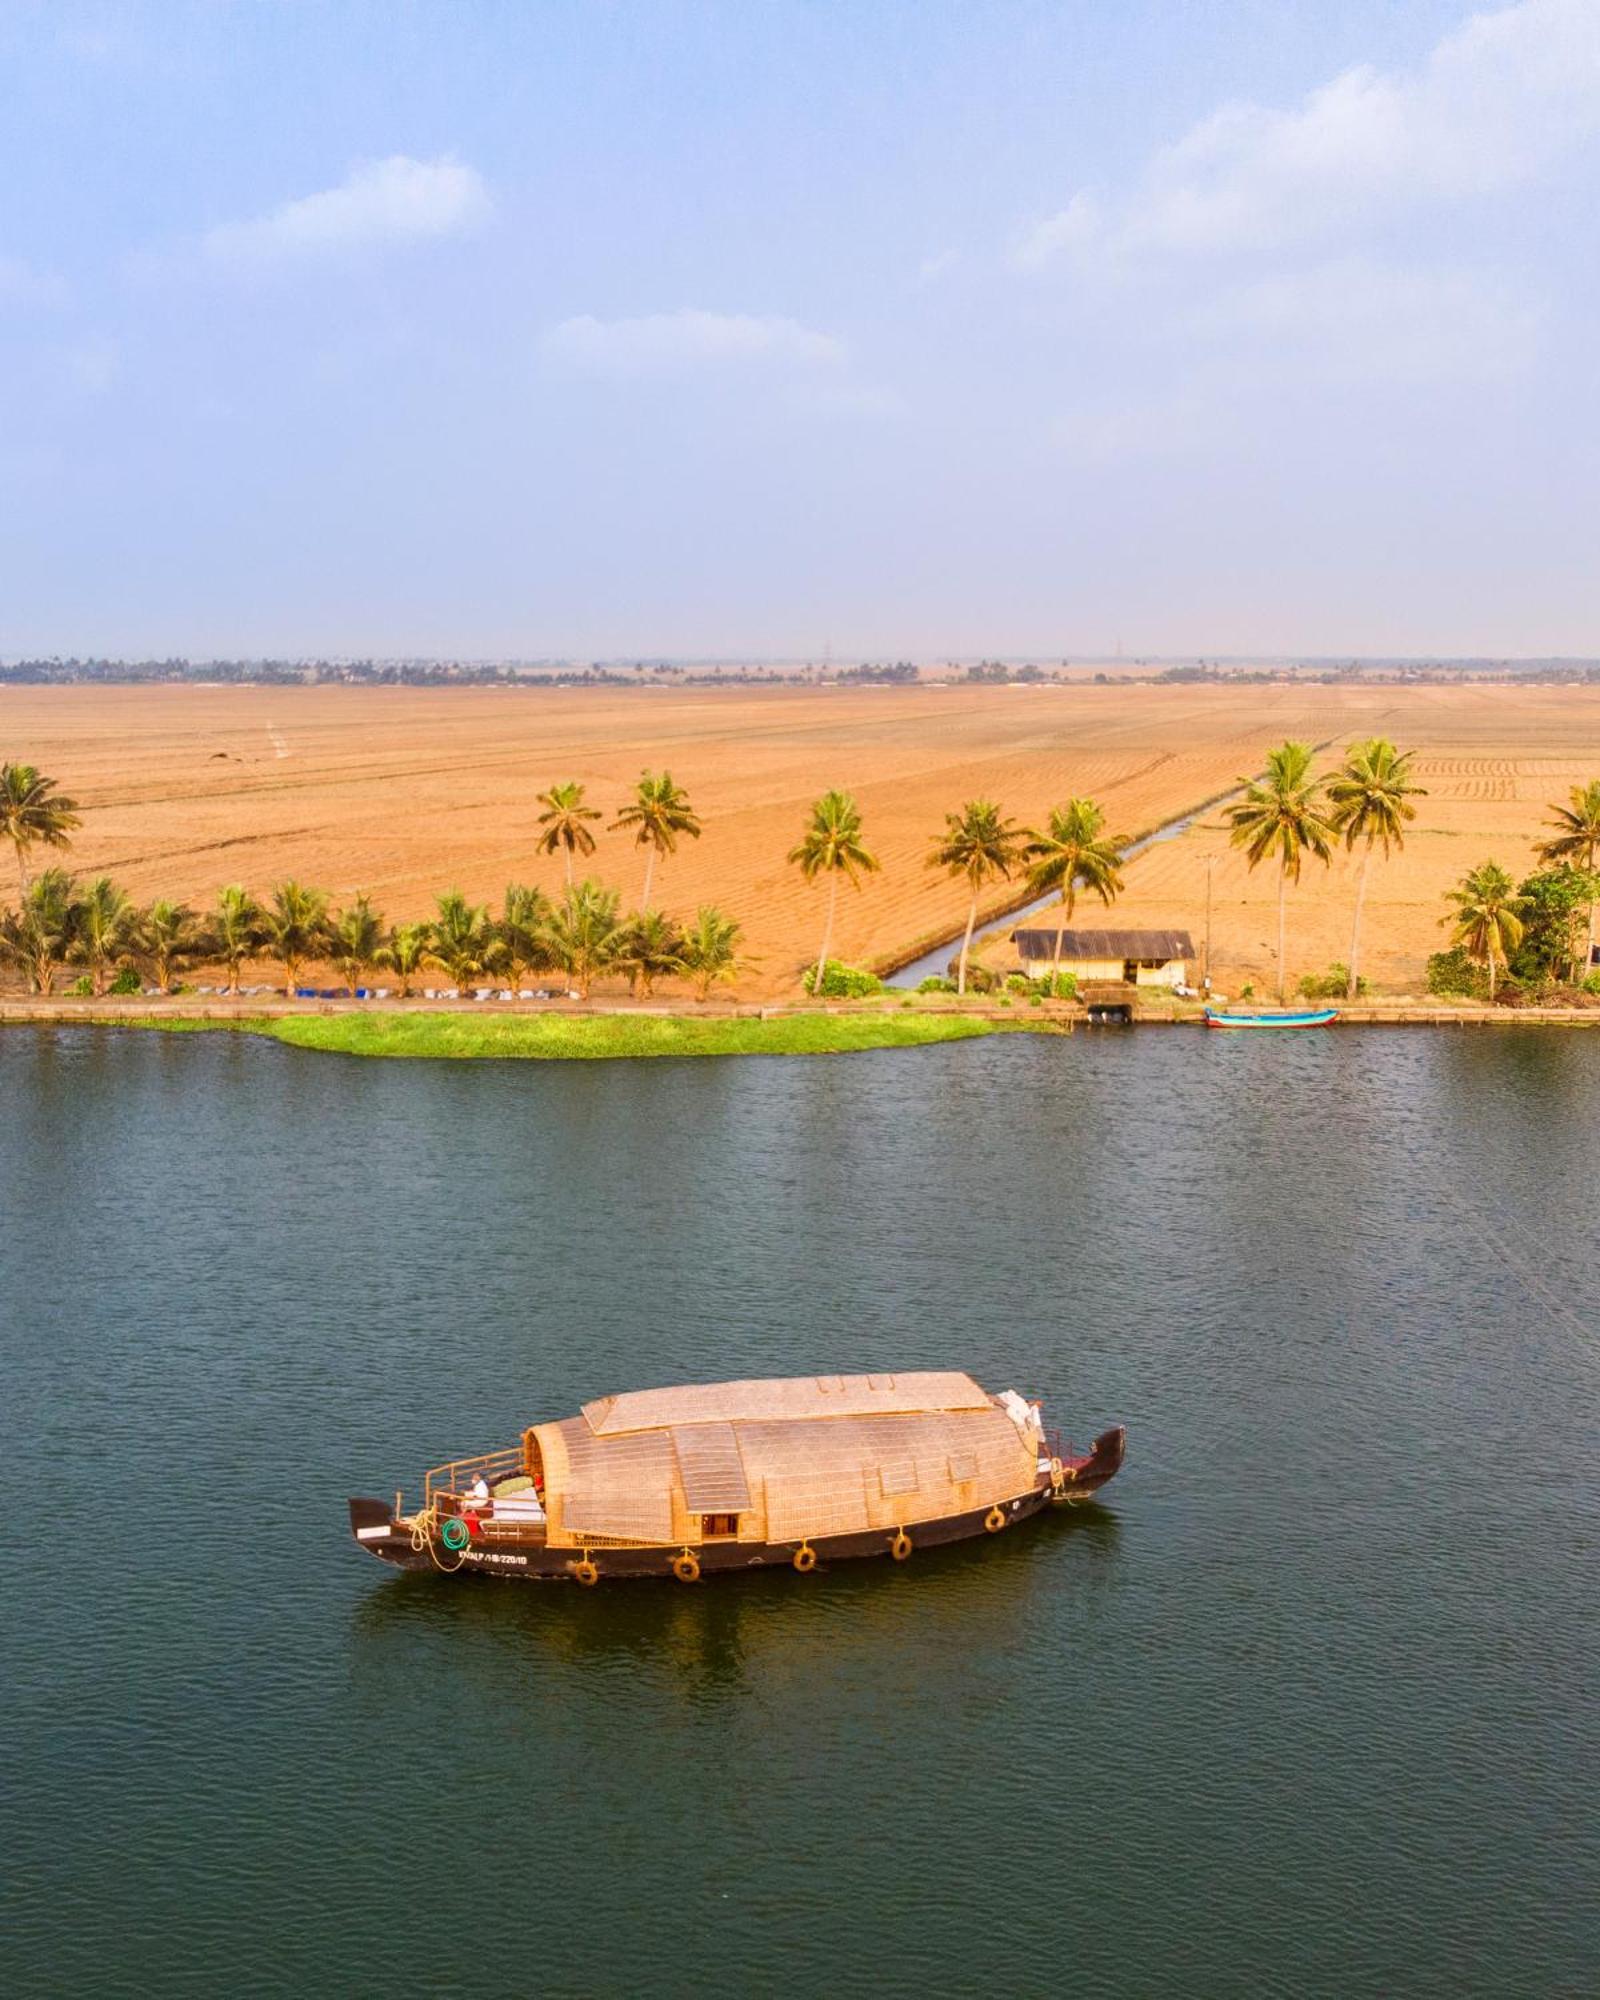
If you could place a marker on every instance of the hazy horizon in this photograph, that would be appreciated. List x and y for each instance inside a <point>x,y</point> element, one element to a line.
<point>695,332</point>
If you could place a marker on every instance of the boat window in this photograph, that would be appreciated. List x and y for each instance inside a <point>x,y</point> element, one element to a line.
<point>718,1527</point>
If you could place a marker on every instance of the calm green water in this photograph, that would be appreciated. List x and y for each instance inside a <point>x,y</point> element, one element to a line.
<point>1308,1707</point>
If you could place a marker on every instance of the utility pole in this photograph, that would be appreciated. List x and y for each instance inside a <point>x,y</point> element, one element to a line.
<point>1205,970</point>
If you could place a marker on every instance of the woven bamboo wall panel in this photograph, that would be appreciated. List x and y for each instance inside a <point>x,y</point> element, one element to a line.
<point>824,1503</point>
<point>638,1517</point>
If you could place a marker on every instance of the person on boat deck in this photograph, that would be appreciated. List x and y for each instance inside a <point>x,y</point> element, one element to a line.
<point>478,1492</point>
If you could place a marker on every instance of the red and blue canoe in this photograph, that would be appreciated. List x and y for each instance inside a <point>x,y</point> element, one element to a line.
<point>1308,1017</point>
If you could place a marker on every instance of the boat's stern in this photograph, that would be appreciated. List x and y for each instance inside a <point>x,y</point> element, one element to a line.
<point>1079,1477</point>
<point>380,1533</point>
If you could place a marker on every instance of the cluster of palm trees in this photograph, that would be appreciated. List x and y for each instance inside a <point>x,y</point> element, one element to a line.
<point>978,846</point>
<point>1290,812</point>
<point>584,934</point>
<point>658,816</point>
<point>1366,803</point>
<point>1487,921</point>
<point>1071,852</point>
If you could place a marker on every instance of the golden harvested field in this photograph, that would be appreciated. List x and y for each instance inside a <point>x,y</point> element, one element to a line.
<point>1493,760</point>
<point>403,793</point>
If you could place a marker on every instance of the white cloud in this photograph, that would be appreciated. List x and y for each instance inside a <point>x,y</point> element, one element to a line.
<point>675,342</point>
<point>381,201</point>
<point>1494,104</point>
<point>1071,228</point>
<point>1352,319</point>
<point>938,266</point>
<point>22,285</point>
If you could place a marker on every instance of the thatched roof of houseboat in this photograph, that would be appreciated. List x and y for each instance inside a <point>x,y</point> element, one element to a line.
<point>810,1455</point>
<point>790,1397</point>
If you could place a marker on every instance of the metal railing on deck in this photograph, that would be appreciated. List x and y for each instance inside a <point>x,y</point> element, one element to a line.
<point>1057,1446</point>
<point>445,1487</point>
<point>450,1482</point>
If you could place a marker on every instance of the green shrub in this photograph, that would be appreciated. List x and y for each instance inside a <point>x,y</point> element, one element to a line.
<point>82,989</point>
<point>937,984</point>
<point>1333,984</point>
<point>842,982</point>
<point>1247,991</point>
<point>1018,982</point>
<point>126,982</point>
<point>1592,983</point>
<point>1453,974</point>
<point>1555,908</point>
<point>1063,987</point>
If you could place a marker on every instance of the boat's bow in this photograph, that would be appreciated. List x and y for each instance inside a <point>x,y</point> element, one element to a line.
<point>373,1524</point>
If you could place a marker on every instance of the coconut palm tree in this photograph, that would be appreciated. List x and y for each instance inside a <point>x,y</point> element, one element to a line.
<point>461,940</point>
<point>404,953</point>
<point>584,935</point>
<point>565,822</point>
<point>33,814</point>
<point>979,845</point>
<point>105,930</point>
<point>171,938</point>
<point>1369,799</point>
<point>236,929</point>
<point>38,936</point>
<point>1283,814</point>
<point>1577,841</point>
<point>832,846</point>
<point>711,949</point>
<point>355,940</point>
<point>1488,917</point>
<point>523,914</point>
<point>650,948</point>
<point>1073,853</point>
<point>658,812</point>
<point>294,928</point>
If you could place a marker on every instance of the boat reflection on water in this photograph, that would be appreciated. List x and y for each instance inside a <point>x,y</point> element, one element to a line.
<point>947,1604</point>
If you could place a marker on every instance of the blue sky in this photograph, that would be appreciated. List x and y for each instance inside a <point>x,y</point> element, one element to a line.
<point>734,330</point>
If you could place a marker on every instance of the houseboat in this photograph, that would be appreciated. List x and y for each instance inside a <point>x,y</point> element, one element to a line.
<point>738,1475</point>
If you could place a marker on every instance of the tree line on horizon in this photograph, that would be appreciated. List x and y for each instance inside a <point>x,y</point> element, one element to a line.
<point>1285,815</point>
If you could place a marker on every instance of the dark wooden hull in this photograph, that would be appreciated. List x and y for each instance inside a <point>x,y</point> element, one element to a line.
<point>373,1525</point>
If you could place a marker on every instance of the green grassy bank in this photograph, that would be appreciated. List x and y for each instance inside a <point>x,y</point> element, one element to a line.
<point>568,1037</point>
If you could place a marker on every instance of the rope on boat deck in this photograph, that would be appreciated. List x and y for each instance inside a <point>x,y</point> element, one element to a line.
<point>422,1525</point>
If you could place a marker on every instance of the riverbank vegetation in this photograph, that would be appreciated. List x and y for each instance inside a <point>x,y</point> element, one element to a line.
<point>1532,940</point>
<point>567,1037</point>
